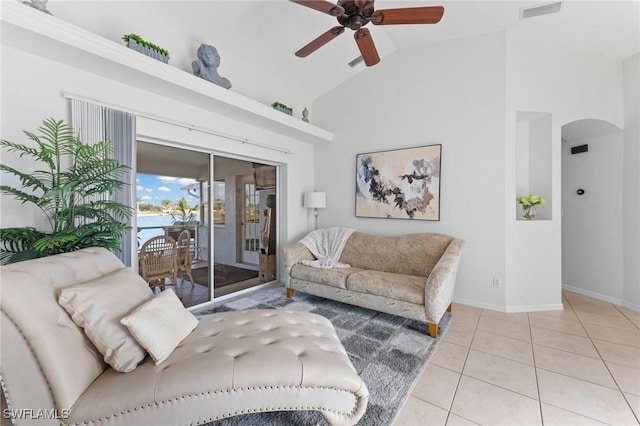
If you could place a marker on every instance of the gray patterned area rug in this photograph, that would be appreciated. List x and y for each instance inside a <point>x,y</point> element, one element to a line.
<point>388,352</point>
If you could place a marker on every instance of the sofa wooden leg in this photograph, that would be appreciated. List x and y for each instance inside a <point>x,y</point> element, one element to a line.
<point>289,293</point>
<point>449,308</point>
<point>433,330</point>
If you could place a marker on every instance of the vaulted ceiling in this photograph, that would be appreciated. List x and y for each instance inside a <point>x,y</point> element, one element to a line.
<point>257,39</point>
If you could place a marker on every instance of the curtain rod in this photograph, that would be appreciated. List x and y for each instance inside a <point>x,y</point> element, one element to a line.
<point>190,127</point>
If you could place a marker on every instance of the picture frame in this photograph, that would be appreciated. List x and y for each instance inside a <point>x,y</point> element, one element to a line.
<point>399,184</point>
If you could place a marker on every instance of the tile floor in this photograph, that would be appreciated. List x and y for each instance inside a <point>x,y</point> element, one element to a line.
<point>579,366</point>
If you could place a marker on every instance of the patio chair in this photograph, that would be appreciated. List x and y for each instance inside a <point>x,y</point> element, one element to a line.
<point>184,256</point>
<point>158,261</point>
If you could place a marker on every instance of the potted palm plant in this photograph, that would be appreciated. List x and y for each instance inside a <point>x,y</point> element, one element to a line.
<point>74,200</point>
<point>183,218</point>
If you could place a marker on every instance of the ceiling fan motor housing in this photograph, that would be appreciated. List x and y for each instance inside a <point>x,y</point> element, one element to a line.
<point>356,13</point>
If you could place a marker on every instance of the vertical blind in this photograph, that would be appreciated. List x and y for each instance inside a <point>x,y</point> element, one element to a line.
<point>93,123</point>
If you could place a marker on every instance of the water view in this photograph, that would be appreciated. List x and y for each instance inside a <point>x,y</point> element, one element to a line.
<point>159,220</point>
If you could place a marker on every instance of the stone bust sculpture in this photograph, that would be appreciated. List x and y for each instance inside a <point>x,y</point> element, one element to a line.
<point>41,5</point>
<point>207,65</point>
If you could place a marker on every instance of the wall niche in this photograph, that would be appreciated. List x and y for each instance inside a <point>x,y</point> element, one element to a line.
<point>533,160</point>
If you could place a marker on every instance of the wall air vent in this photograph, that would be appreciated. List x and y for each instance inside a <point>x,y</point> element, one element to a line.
<point>355,62</point>
<point>580,148</point>
<point>530,12</point>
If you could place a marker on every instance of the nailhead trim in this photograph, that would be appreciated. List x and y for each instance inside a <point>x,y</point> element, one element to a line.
<point>230,414</point>
<point>7,398</point>
<point>26,341</point>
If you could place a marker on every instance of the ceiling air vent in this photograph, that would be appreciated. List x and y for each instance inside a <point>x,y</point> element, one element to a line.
<point>355,62</point>
<point>530,12</point>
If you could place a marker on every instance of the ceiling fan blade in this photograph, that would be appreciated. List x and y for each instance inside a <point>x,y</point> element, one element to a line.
<point>409,15</point>
<point>319,42</point>
<point>366,46</point>
<point>322,6</point>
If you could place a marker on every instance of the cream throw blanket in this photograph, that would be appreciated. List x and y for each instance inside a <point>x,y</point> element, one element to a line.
<point>326,245</point>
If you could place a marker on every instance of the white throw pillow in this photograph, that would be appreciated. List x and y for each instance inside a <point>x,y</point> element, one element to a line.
<point>97,307</point>
<point>160,325</point>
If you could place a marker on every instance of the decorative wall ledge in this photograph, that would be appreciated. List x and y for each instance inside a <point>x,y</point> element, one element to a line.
<point>37,33</point>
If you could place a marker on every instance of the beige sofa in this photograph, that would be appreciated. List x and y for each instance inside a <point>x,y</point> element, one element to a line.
<point>411,275</point>
<point>51,374</point>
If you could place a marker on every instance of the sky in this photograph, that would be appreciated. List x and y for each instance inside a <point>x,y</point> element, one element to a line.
<point>153,189</point>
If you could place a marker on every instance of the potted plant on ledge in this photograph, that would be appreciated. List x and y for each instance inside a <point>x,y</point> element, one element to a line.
<point>282,108</point>
<point>137,43</point>
<point>74,200</point>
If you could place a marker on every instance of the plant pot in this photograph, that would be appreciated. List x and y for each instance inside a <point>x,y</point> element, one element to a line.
<point>132,44</point>
<point>288,111</point>
<point>528,212</point>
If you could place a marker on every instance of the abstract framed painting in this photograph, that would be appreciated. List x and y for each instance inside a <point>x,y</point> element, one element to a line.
<point>399,184</point>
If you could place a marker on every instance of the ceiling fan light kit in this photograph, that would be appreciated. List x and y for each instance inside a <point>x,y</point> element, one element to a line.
<point>355,14</point>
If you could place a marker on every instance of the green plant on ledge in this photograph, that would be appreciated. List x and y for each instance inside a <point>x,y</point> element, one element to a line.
<point>282,107</point>
<point>74,200</point>
<point>143,42</point>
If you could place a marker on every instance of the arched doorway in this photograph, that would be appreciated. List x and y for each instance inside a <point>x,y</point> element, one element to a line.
<point>592,209</point>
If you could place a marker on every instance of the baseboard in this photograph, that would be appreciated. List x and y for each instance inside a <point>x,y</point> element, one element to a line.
<point>510,309</point>
<point>604,298</point>
<point>550,307</point>
<point>614,300</point>
<point>534,308</point>
<point>631,306</point>
<point>476,304</point>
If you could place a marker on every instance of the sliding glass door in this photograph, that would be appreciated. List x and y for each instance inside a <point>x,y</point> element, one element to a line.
<point>228,207</point>
<point>172,187</point>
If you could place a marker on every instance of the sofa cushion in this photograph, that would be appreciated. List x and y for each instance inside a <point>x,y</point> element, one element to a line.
<point>160,324</point>
<point>331,277</point>
<point>407,288</point>
<point>411,254</point>
<point>98,305</point>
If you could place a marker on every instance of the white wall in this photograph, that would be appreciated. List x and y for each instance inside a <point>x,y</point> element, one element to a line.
<point>522,158</point>
<point>569,85</point>
<point>631,183</point>
<point>592,229</point>
<point>540,155</point>
<point>451,93</point>
<point>32,89</point>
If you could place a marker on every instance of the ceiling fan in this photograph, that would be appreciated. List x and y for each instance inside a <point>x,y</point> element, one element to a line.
<point>355,14</point>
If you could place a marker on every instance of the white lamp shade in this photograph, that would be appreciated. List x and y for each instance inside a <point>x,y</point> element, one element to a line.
<point>315,200</point>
